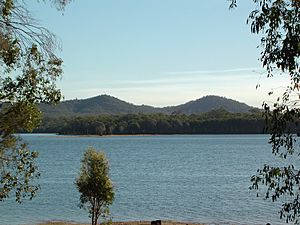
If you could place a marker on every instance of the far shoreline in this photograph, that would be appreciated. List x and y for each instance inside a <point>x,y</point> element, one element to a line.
<point>128,135</point>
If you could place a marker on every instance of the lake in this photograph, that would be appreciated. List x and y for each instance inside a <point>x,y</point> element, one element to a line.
<point>190,178</point>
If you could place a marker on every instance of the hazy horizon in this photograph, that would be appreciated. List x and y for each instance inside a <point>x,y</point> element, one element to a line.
<point>158,52</point>
<point>94,96</point>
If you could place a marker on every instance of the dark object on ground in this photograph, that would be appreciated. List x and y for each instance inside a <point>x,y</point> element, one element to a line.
<point>156,222</point>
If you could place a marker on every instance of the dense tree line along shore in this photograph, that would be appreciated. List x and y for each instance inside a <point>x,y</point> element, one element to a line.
<point>217,121</point>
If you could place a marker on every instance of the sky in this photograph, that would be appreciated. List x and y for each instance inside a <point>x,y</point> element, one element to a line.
<point>158,52</point>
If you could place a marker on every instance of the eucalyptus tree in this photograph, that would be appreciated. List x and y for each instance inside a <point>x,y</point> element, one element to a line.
<point>94,185</point>
<point>29,69</point>
<point>278,24</point>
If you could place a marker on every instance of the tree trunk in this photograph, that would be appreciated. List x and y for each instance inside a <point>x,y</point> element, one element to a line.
<point>93,218</point>
<point>93,212</point>
<point>96,219</point>
<point>96,211</point>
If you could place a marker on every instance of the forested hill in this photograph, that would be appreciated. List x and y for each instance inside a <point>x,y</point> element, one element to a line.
<point>105,104</point>
<point>209,103</point>
<point>102,104</point>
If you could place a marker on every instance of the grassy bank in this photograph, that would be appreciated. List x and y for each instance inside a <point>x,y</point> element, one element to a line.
<point>124,223</point>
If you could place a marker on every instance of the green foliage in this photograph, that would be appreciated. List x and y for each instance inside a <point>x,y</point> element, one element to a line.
<point>95,185</point>
<point>17,171</point>
<point>29,69</point>
<point>278,23</point>
<point>214,122</point>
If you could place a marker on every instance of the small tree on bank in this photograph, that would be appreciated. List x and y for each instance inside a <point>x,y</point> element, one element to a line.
<point>95,185</point>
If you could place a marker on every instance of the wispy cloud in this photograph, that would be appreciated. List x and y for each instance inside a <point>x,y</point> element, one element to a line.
<point>177,88</point>
<point>234,70</point>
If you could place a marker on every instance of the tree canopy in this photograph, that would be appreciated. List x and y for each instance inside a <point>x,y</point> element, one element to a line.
<point>217,121</point>
<point>29,69</point>
<point>95,185</point>
<point>278,24</point>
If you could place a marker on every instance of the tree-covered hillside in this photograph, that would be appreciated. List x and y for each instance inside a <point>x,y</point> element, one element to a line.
<point>209,103</point>
<point>105,104</point>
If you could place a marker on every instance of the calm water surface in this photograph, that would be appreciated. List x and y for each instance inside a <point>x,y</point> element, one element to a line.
<point>186,178</point>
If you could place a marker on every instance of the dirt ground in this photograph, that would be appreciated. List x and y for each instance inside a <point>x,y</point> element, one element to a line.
<point>125,223</point>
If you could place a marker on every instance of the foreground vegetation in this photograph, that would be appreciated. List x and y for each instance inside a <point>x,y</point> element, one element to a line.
<point>29,69</point>
<point>94,185</point>
<point>214,122</point>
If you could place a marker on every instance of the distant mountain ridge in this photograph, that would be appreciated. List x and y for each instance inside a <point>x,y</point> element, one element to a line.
<point>105,104</point>
<point>209,103</point>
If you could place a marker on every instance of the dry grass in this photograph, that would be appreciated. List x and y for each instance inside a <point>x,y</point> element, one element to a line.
<point>123,223</point>
<point>61,223</point>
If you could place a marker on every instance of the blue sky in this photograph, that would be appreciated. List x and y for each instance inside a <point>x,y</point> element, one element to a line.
<point>157,52</point>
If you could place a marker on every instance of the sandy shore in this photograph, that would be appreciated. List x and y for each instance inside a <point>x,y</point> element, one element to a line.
<point>100,136</point>
<point>124,223</point>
